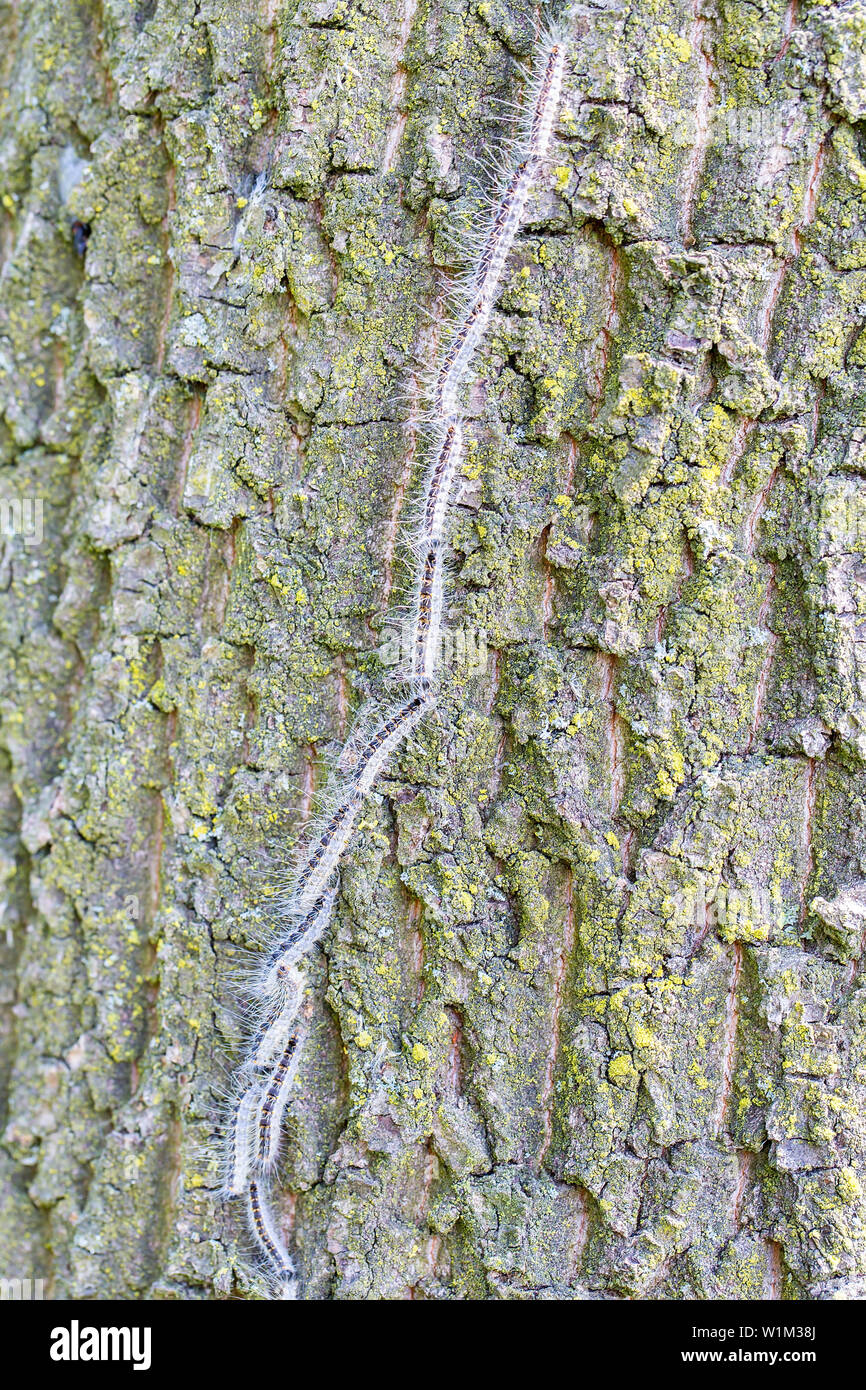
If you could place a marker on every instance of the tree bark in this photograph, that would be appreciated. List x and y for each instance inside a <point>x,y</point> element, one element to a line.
<point>591,1020</point>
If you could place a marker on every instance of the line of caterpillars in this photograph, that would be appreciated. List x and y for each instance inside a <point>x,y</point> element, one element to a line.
<point>268,1070</point>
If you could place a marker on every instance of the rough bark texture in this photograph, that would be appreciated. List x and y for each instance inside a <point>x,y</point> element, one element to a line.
<point>592,1019</point>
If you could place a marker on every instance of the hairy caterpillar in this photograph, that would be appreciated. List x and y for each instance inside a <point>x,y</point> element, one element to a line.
<point>274,1052</point>
<point>428,618</point>
<point>270,1243</point>
<point>437,498</point>
<point>386,739</point>
<point>325,855</point>
<point>274,1099</point>
<point>496,241</point>
<point>239,1142</point>
<point>274,982</point>
<point>273,1033</point>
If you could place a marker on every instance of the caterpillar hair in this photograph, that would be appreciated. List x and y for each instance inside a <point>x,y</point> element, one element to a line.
<point>239,1141</point>
<point>428,619</point>
<point>273,1035</point>
<point>325,854</point>
<point>267,1238</point>
<point>440,484</point>
<point>296,938</point>
<point>545,103</point>
<point>499,238</point>
<point>388,737</point>
<point>273,1100</point>
<point>457,357</point>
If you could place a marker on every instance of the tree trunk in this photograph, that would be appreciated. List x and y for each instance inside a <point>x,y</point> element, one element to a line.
<point>591,1019</point>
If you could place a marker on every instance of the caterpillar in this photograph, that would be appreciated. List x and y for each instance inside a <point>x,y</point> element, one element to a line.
<point>428,618</point>
<point>275,980</point>
<point>273,1054</point>
<point>273,1033</point>
<point>238,1160</point>
<point>443,475</point>
<point>386,739</point>
<point>494,252</point>
<point>325,855</point>
<point>274,1099</point>
<point>268,1239</point>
